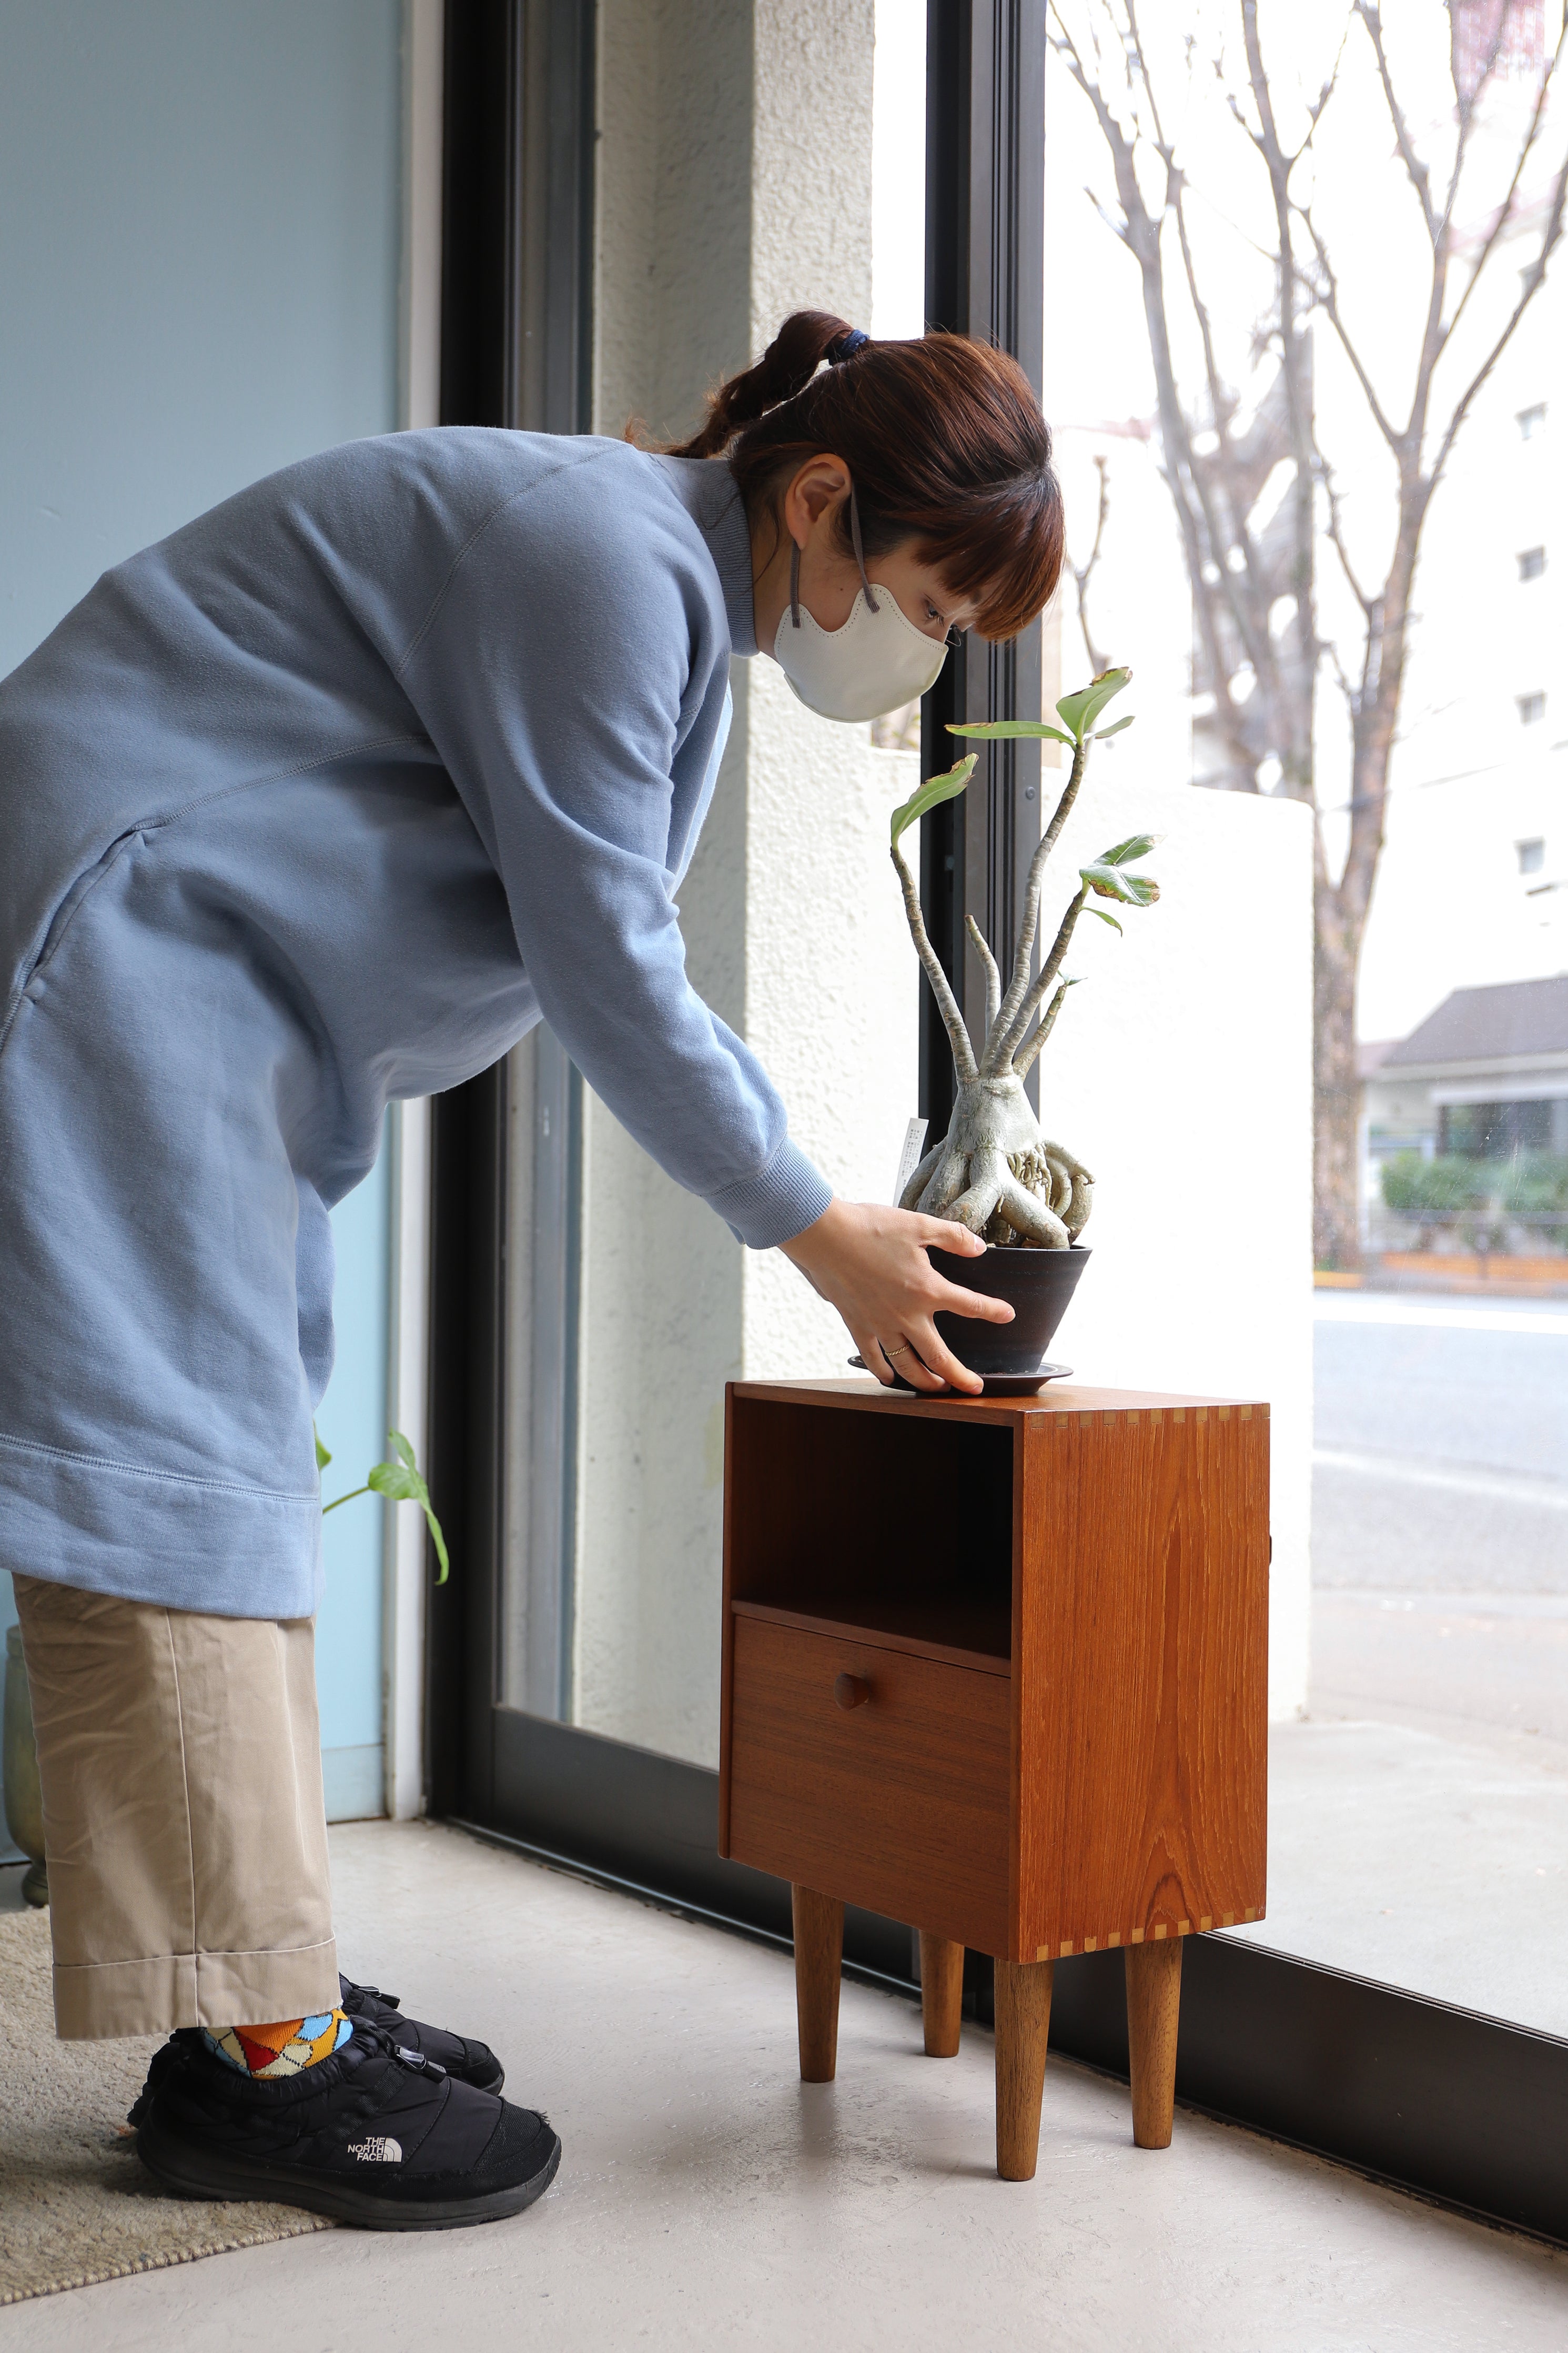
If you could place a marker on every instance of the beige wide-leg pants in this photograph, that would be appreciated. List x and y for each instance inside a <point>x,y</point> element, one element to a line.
<point>184,1823</point>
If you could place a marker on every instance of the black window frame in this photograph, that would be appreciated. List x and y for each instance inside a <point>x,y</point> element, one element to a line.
<point>1469,2112</point>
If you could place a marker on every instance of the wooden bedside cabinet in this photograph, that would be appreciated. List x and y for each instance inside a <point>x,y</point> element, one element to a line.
<point>997,1668</point>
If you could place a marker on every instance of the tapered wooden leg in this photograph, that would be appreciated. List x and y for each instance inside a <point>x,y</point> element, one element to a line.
<point>1023,2023</point>
<point>818,1958</point>
<point>1153,2006</point>
<point>941,1994</point>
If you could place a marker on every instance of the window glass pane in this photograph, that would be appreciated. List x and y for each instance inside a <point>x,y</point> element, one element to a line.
<point>538,1387</point>
<point>1230,419</point>
<point>794,929</point>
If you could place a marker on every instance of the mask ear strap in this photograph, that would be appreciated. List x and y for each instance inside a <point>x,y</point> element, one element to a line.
<point>859,550</point>
<point>794,583</point>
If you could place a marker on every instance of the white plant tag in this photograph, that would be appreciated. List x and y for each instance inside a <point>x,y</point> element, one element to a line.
<point>909,1158</point>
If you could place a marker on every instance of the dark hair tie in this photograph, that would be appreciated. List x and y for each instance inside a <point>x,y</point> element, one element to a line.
<point>844,347</point>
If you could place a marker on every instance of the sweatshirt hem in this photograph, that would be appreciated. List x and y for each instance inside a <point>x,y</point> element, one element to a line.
<point>182,1542</point>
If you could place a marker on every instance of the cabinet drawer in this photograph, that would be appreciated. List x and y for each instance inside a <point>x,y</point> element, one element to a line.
<point>900,1804</point>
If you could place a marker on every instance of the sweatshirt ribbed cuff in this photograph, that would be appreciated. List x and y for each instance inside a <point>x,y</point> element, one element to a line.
<point>778,1203</point>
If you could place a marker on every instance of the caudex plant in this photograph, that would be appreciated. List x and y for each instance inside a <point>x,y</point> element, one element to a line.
<point>401,1482</point>
<point>996,1171</point>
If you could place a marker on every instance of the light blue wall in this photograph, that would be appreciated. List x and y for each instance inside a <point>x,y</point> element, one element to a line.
<point>199,263</point>
<point>353,1424</point>
<point>199,206</point>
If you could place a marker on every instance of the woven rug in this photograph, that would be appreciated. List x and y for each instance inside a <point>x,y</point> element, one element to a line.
<point>76,2204</point>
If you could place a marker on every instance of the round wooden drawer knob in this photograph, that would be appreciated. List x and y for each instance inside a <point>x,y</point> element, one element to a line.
<point>851,1691</point>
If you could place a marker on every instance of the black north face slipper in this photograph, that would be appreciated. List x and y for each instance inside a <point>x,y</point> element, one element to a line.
<point>377,2135</point>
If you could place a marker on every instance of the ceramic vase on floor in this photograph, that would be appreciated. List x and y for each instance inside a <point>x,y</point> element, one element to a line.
<point>24,1798</point>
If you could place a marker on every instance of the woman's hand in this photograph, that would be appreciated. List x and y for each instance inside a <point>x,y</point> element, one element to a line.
<point>870,1263</point>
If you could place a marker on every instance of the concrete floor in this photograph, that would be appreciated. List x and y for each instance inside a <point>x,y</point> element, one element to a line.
<point>709,2199</point>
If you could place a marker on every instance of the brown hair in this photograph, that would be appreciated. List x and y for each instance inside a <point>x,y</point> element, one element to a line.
<point>945,442</point>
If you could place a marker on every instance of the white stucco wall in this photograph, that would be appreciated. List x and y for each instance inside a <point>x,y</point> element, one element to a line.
<point>1180,1073</point>
<point>830,1004</point>
<point>726,200</point>
<point>661,1279</point>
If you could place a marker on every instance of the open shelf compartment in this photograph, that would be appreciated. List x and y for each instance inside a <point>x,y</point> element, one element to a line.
<point>893,1528</point>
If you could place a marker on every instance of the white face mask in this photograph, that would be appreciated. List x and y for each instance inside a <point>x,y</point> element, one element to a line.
<point>876,662</point>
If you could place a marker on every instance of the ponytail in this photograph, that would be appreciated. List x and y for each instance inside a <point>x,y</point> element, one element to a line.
<point>785,369</point>
<point>944,440</point>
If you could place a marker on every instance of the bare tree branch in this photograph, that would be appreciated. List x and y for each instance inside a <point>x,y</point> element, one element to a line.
<point>1346,689</point>
<point>1467,102</point>
<point>1256,640</point>
<point>1419,174</point>
<point>1238,561</point>
<point>1551,237</point>
<point>1083,574</point>
<point>1505,210</point>
<point>1327,297</point>
<point>1336,535</point>
<point>1199,524</point>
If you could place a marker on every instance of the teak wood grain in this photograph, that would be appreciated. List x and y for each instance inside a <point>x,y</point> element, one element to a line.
<point>1140,1663</point>
<point>818,1925</point>
<point>942,1995</point>
<point>1153,2012</point>
<point>901,1804</point>
<point>1108,1551</point>
<point>1023,2030</point>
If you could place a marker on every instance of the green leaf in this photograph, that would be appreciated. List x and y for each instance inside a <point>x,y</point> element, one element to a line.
<point>1079,712</point>
<point>402,1484</point>
<point>1108,881</point>
<point>397,1481</point>
<point>1116,730</point>
<point>1002,729</point>
<point>322,1455</point>
<point>932,793</point>
<point>1103,917</point>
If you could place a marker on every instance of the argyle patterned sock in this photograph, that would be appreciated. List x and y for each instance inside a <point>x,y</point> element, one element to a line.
<point>284,2048</point>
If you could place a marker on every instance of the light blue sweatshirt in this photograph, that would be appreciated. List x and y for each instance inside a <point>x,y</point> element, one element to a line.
<point>324,800</point>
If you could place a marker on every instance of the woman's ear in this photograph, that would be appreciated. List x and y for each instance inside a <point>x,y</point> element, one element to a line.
<point>821,484</point>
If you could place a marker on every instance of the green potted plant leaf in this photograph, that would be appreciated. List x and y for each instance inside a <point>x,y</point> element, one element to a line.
<point>996,1171</point>
<point>401,1483</point>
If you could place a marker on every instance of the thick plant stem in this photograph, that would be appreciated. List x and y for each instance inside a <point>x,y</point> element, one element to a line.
<point>952,1019</point>
<point>1024,1057</point>
<point>921,1177</point>
<point>988,964</point>
<point>1032,1217</point>
<point>1025,947</point>
<point>999,1051</point>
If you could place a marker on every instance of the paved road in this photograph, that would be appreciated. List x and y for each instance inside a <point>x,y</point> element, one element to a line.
<point>1453,1383</point>
<point>1440,1518</point>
